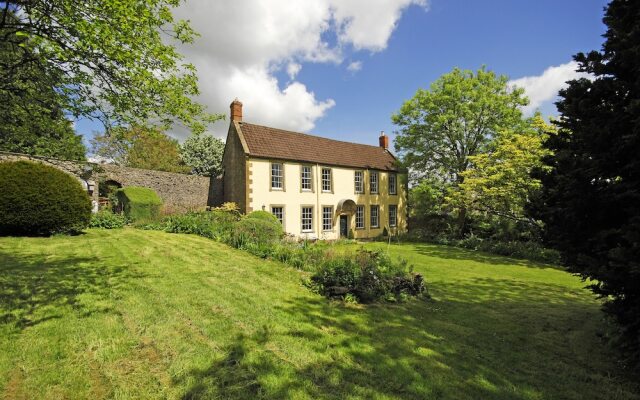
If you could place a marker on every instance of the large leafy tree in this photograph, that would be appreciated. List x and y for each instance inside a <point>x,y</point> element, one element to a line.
<point>140,147</point>
<point>499,182</point>
<point>591,198</point>
<point>440,128</point>
<point>31,118</point>
<point>113,60</point>
<point>203,153</point>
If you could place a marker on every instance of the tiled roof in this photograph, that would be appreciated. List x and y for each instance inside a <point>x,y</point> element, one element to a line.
<point>265,142</point>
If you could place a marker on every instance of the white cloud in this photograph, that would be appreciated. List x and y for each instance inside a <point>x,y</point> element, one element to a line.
<point>354,66</point>
<point>545,87</point>
<point>244,43</point>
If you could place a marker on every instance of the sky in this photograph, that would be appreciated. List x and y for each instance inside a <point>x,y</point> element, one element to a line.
<point>341,68</point>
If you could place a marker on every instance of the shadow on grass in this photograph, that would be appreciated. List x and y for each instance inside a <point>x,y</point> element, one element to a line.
<point>34,289</point>
<point>497,340</point>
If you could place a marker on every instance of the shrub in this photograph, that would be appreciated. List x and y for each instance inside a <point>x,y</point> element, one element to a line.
<point>250,232</point>
<point>139,203</point>
<point>37,199</point>
<point>105,219</point>
<point>369,276</point>
<point>263,215</point>
<point>211,224</point>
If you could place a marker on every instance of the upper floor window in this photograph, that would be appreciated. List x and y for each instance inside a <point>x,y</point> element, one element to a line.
<point>373,182</point>
<point>327,218</point>
<point>306,182</point>
<point>359,217</point>
<point>277,176</point>
<point>326,179</point>
<point>278,212</point>
<point>307,219</point>
<point>359,181</point>
<point>393,215</point>
<point>375,216</point>
<point>393,184</point>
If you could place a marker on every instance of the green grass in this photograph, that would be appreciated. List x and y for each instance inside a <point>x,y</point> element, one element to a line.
<point>145,314</point>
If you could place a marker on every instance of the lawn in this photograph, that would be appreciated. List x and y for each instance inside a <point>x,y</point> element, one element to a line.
<point>144,314</point>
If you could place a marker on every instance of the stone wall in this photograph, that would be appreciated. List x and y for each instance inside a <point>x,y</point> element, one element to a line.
<point>179,192</point>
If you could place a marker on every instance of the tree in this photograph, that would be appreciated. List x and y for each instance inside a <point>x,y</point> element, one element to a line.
<point>590,200</point>
<point>440,128</point>
<point>32,121</point>
<point>140,147</point>
<point>203,153</point>
<point>115,60</point>
<point>499,181</point>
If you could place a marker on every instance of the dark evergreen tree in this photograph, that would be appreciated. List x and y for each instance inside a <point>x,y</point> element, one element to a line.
<point>590,201</point>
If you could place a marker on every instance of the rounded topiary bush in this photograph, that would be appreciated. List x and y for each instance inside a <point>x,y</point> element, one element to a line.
<point>262,215</point>
<point>37,199</point>
<point>256,232</point>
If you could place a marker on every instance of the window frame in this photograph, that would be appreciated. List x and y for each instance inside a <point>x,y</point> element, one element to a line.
<point>302,207</point>
<point>377,215</point>
<point>330,190</point>
<point>395,183</point>
<point>371,182</point>
<point>271,176</point>
<point>302,167</point>
<point>355,182</point>
<point>324,229</point>
<point>281,206</point>
<point>393,207</point>
<point>360,207</point>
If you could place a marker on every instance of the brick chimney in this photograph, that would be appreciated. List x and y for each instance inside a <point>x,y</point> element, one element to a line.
<point>236,111</point>
<point>384,140</point>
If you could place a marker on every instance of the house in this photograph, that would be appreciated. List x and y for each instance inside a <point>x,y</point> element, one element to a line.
<point>317,187</point>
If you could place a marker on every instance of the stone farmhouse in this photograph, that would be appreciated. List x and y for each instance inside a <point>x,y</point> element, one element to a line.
<point>317,187</point>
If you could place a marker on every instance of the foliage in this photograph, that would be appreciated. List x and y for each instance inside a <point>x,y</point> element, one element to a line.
<point>33,122</point>
<point>211,224</point>
<point>229,206</point>
<point>499,181</point>
<point>37,199</point>
<point>256,234</point>
<point>440,128</point>
<point>139,203</point>
<point>106,219</point>
<point>112,60</point>
<point>140,147</point>
<point>369,276</point>
<point>590,201</point>
<point>203,153</point>
<point>263,215</point>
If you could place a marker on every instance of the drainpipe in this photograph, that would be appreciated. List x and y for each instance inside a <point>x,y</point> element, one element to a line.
<point>317,207</point>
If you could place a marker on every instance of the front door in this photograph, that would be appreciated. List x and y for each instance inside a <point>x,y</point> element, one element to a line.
<point>344,226</point>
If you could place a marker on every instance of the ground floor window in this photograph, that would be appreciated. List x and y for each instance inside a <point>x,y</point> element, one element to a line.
<point>278,211</point>
<point>393,215</point>
<point>375,216</point>
<point>359,217</point>
<point>307,219</point>
<point>327,218</point>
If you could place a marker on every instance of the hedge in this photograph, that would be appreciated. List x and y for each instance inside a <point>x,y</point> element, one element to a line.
<point>139,203</point>
<point>36,199</point>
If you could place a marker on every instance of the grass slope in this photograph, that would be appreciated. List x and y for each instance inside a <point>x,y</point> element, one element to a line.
<point>144,314</point>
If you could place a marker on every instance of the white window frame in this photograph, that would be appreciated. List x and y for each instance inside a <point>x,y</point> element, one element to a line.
<point>281,218</point>
<point>375,215</point>
<point>324,180</point>
<point>374,179</point>
<point>360,181</point>
<point>359,216</point>
<point>303,178</point>
<point>393,212</point>
<point>393,178</point>
<point>306,216</point>
<point>327,218</point>
<point>280,176</point>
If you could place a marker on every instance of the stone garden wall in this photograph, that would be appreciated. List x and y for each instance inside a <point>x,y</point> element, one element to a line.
<point>179,192</point>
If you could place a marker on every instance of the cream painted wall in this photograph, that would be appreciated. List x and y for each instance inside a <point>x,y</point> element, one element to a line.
<point>292,198</point>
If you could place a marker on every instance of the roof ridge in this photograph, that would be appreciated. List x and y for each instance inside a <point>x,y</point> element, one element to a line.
<point>315,136</point>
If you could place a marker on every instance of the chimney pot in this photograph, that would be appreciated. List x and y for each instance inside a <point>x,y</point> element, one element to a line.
<point>236,111</point>
<point>384,140</point>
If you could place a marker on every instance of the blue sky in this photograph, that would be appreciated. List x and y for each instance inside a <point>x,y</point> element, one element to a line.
<point>341,71</point>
